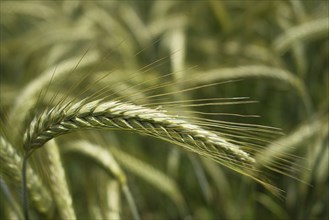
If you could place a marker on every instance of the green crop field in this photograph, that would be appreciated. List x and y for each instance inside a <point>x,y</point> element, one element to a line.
<point>158,110</point>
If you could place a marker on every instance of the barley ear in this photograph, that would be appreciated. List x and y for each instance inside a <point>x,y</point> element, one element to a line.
<point>59,186</point>
<point>11,165</point>
<point>147,121</point>
<point>313,29</point>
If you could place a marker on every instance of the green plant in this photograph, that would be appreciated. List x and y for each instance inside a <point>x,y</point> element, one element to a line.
<point>150,101</point>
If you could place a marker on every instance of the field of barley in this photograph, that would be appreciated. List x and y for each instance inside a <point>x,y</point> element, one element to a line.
<point>160,110</point>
